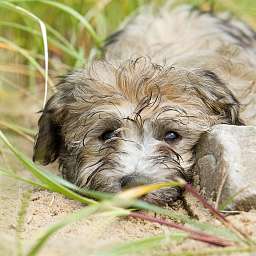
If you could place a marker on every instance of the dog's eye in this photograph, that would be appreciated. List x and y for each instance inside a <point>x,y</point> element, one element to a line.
<point>171,136</point>
<point>107,135</point>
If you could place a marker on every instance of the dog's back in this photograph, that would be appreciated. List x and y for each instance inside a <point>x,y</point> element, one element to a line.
<point>188,38</point>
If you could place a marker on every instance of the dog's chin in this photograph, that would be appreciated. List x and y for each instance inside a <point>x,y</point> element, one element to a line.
<point>163,197</point>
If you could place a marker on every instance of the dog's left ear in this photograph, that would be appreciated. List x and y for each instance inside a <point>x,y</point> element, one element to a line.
<point>215,94</point>
<point>48,139</point>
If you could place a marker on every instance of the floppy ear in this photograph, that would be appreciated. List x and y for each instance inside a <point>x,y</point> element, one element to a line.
<point>48,139</point>
<point>215,94</point>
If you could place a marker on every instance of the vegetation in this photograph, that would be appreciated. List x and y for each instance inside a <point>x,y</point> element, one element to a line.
<point>40,39</point>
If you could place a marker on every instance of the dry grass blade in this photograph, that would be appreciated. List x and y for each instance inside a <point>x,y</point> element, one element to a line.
<point>145,189</point>
<point>10,45</point>
<point>193,234</point>
<point>17,129</point>
<point>17,177</point>
<point>44,36</point>
<point>144,244</point>
<point>244,237</point>
<point>215,251</point>
<point>24,203</point>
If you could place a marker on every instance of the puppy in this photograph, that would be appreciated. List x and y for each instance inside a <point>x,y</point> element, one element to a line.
<point>135,116</point>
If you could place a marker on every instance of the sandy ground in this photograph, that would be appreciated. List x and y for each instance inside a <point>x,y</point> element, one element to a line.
<point>90,236</point>
<point>87,237</point>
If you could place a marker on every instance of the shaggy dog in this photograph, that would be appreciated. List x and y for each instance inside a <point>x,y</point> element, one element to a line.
<point>135,116</point>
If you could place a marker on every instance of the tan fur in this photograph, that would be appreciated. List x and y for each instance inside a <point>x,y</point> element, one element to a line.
<point>174,71</point>
<point>191,40</point>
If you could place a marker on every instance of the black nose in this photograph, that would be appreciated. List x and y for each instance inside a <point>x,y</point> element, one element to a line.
<point>134,180</point>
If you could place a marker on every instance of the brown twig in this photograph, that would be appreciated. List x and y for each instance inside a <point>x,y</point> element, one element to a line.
<point>193,234</point>
<point>220,189</point>
<point>244,237</point>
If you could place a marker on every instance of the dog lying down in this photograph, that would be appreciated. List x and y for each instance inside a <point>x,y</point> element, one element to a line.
<point>135,116</point>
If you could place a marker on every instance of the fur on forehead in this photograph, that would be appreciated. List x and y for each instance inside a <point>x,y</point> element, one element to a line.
<point>145,84</point>
<point>133,79</point>
<point>137,81</point>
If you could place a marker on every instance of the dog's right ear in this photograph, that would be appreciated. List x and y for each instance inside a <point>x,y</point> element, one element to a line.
<point>48,139</point>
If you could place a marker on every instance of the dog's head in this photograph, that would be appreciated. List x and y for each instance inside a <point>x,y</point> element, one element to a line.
<point>114,128</point>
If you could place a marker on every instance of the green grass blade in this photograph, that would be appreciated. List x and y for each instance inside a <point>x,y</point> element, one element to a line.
<point>73,13</point>
<point>17,177</point>
<point>62,39</point>
<point>45,43</point>
<point>76,15</point>
<point>93,194</point>
<point>25,54</point>
<point>141,245</point>
<point>85,212</point>
<point>60,45</point>
<point>16,127</point>
<point>44,178</point>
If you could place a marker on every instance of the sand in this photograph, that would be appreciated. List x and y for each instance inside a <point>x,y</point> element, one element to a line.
<point>89,236</point>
